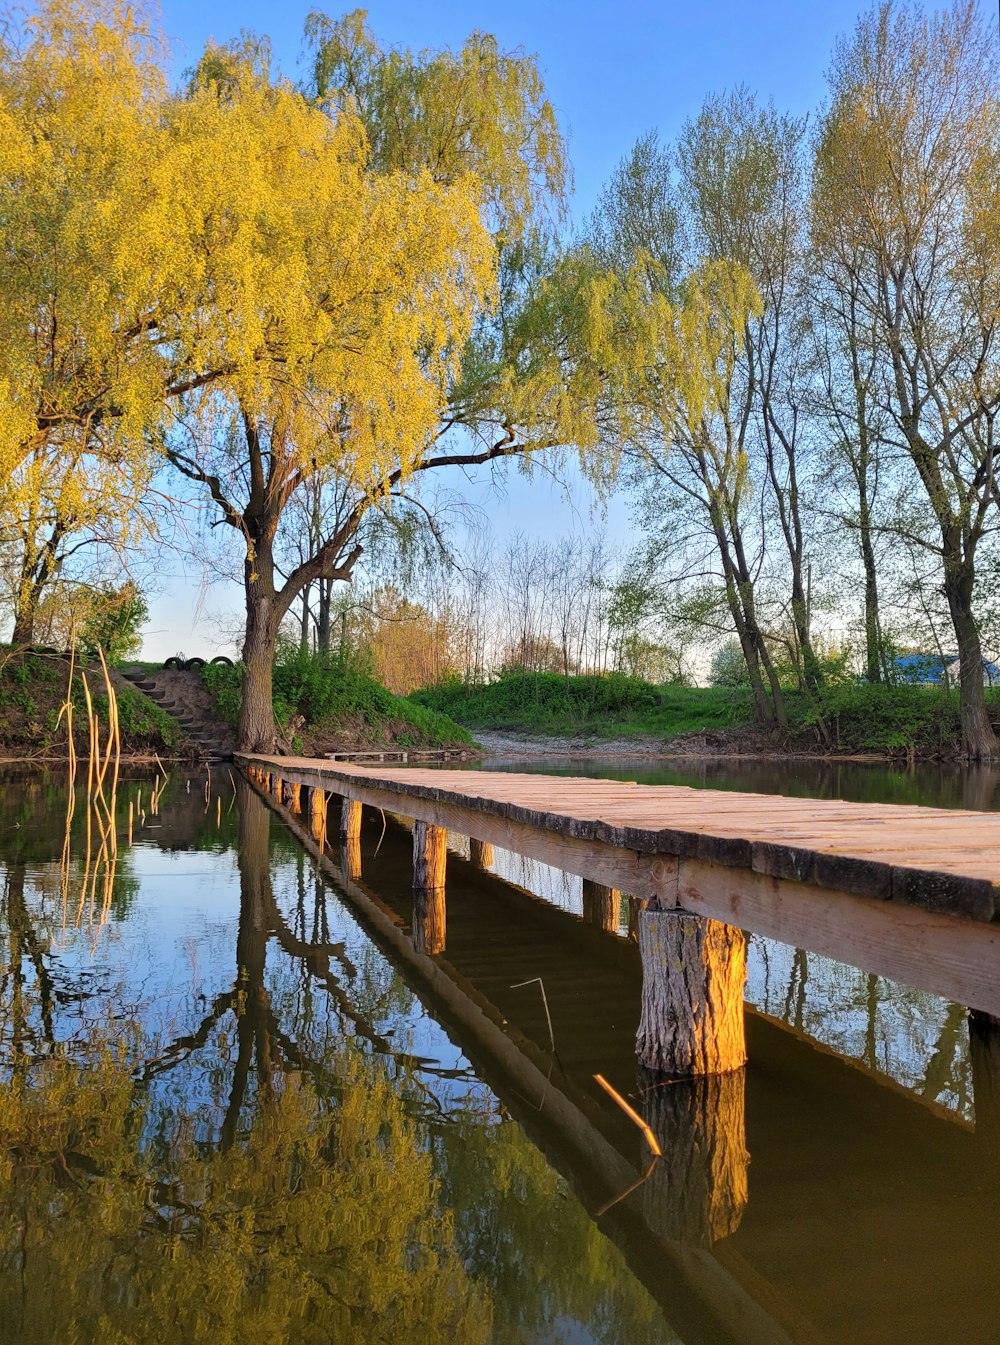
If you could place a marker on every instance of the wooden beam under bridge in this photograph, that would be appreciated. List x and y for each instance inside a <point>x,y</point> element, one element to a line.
<point>909,893</point>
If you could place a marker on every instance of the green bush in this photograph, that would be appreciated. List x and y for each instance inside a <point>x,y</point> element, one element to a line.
<point>327,691</point>
<point>865,717</point>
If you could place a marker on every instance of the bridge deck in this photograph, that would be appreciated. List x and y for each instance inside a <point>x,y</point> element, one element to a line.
<point>906,891</point>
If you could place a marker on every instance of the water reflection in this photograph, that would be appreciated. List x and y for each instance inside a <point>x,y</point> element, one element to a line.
<point>229,1117</point>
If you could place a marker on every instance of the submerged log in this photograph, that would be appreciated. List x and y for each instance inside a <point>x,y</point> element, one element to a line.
<point>430,857</point>
<point>601,905</point>
<point>693,971</point>
<point>697,1191</point>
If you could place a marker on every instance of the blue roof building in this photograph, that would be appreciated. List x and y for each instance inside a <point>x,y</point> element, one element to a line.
<point>936,669</point>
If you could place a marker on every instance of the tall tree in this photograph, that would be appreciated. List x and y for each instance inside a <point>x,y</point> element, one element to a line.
<point>914,109</point>
<point>699,393</point>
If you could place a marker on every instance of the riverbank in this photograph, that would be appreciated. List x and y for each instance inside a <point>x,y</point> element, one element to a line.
<point>547,713</point>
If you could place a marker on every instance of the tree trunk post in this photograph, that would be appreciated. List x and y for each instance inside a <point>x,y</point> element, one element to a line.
<point>693,971</point>
<point>430,853</point>
<point>350,819</point>
<point>295,799</point>
<point>350,837</point>
<point>601,906</point>
<point>697,1191</point>
<point>317,816</point>
<point>636,906</point>
<point>277,787</point>
<point>480,853</point>
<point>984,1054</point>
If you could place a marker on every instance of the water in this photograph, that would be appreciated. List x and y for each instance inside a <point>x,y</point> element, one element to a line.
<point>235,1105</point>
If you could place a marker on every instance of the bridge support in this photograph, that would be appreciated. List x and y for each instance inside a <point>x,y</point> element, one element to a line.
<point>693,971</point>
<point>295,799</point>
<point>430,857</point>
<point>697,1192</point>
<point>601,906</point>
<point>317,815</point>
<point>350,837</point>
<point>480,853</point>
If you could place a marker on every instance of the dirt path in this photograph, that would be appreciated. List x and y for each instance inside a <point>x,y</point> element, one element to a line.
<point>523,746</point>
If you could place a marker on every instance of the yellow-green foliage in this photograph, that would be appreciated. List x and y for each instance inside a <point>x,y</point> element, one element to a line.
<point>322,1225</point>
<point>234,239</point>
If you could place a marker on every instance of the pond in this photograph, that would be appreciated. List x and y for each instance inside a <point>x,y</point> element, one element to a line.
<point>232,1106</point>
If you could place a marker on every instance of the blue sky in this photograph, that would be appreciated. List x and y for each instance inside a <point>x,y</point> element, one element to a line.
<point>613,72</point>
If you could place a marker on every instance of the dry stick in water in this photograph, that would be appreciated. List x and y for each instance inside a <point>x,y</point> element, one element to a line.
<point>545,1005</point>
<point>632,1114</point>
<point>67,709</point>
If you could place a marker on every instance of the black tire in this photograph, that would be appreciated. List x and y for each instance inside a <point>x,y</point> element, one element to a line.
<point>221,659</point>
<point>174,662</point>
<point>194,663</point>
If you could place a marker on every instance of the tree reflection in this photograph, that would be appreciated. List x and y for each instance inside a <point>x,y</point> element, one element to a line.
<point>282,1164</point>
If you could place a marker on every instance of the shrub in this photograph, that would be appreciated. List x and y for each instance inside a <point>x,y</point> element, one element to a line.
<point>328,691</point>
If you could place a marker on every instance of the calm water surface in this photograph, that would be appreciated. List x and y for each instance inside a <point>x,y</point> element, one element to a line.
<point>230,1110</point>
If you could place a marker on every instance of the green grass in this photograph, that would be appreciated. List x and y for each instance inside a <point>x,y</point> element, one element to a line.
<point>330,695</point>
<point>32,691</point>
<point>605,706</point>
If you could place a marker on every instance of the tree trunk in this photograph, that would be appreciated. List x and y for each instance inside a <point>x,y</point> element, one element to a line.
<point>693,970</point>
<point>257,727</point>
<point>978,738</point>
<point>323,622</point>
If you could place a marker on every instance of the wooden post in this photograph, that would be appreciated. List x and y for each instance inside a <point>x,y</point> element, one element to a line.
<point>636,905</point>
<point>277,786</point>
<point>697,1191</point>
<point>430,856</point>
<point>266,782</point>
<point>350,837</point>
<point>480,853</point>
<point>601,906</point>
<point>350,819</point>
<point>317,815</point>
<point>693,970</point>
<point>984,1055</point>
<point>295,798</point>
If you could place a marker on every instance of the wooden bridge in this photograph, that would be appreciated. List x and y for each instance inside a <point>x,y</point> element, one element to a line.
<point>910,893</point>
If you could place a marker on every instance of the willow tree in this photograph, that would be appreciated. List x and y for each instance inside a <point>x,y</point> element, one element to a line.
<point>898,204</point>
<point>404,314</point>
<point>95,275</point>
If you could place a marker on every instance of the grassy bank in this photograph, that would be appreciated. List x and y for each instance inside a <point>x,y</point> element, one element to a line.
<point>846,718</point>
<point>325,705</point>
<point>32,692</point>
<point>606,706</point>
